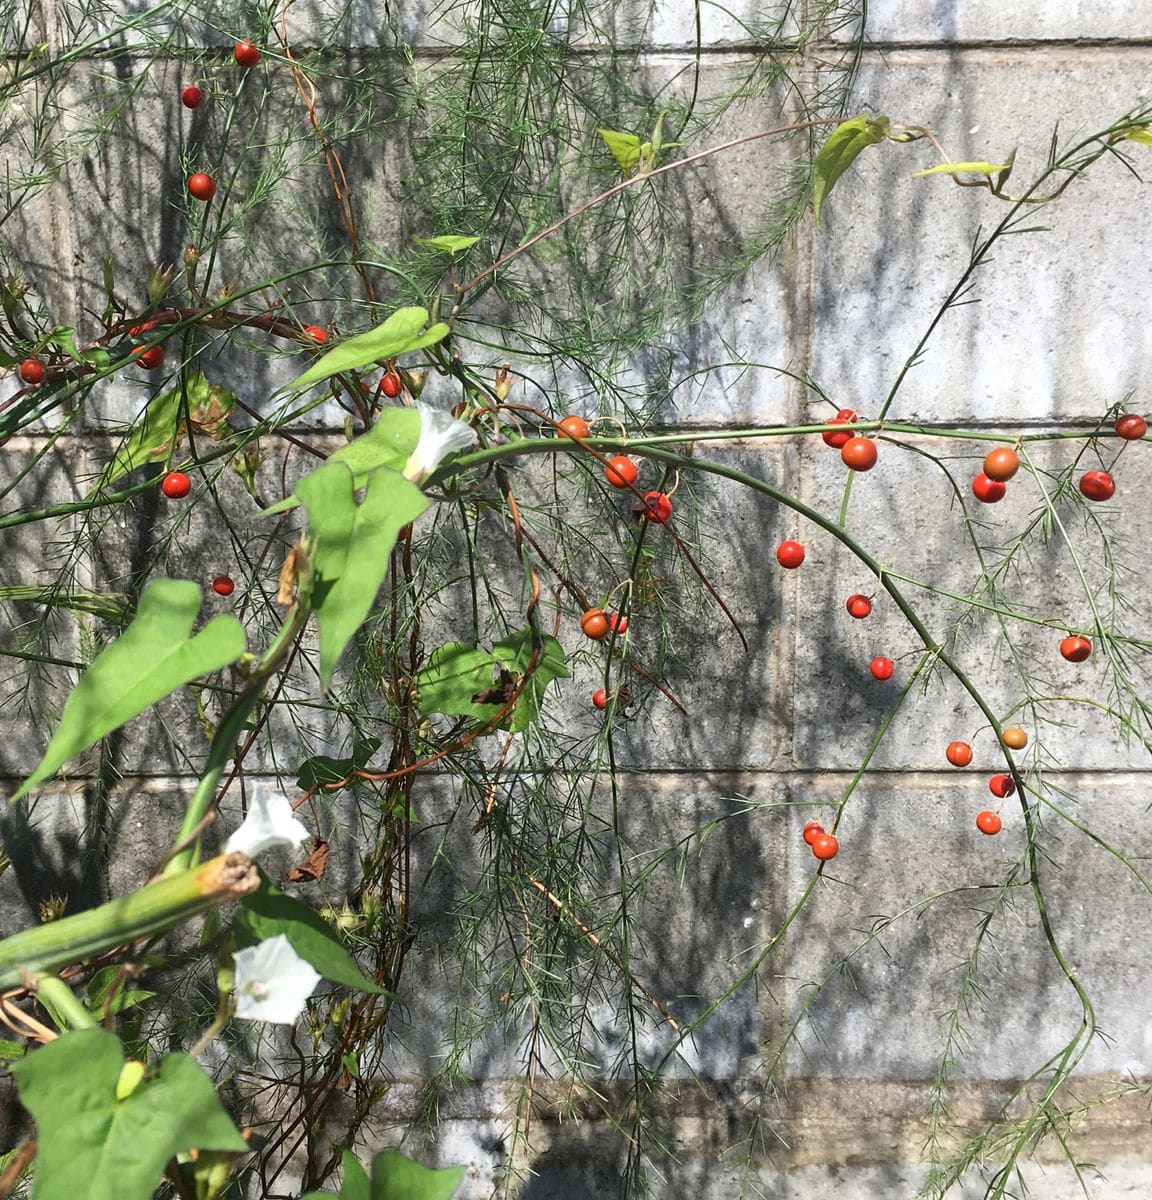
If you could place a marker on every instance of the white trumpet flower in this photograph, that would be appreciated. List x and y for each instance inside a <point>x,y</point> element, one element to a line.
<point>440,435</point>
<point>273,982</point>
<point>270,822</point>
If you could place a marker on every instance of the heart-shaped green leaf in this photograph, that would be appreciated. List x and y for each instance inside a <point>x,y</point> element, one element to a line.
<point>353,544</point>
<point>268,912</point>
<point>403,332</point>
<point>91,1144</point>
<point>153,657</point>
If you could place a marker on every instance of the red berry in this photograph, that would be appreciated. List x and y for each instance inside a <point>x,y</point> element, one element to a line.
<point>32,371</point>
<point>617,624</point>
<point>151,358</point>
<point>223,585</point>
<point>986,490</point>
<point>834,437</point>
<point>316,333</point>
<point>859,454</point>
<point>1097,485</point>
<point>600,699</point>
<point>825,846</point>
<point>391,385</point>
<point>1001,785</point>
<point>790,555</point>
<point>881,667</point>
<point>657,507</point>
<point>1001,464</point>
<point>858,606</point>
<point>1075,647</point>
<point>247,53</point>
<point>574,427</point>
<point>988,822</point>
<point>191,96</point>
<point>594,624</point>
<point>959,754</point>
<point>176,485</point>
<point>621,471</point>
<point>1131,427</point>
<point>812,831</point>
<point>201,186</point>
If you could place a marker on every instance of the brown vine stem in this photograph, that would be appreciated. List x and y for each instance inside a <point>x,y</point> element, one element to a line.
<point>633,181</point>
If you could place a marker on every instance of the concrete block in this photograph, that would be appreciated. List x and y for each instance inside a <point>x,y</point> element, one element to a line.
<point>892,247</point>
<point>952,21</point>
<point>906,839</point>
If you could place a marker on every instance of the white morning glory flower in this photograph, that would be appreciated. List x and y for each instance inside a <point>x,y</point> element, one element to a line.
<point>440,435</point>
<point>270,822</point>
<point>273,982</point>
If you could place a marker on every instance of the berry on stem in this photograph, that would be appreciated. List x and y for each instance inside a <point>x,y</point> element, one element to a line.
<point>32,371</point>
<point>600,699</point>
<point>574,427</point>
<point>959,754</point>
<point>657,507</point>
<point>825,846</point>
<point>1131,427</point>
<point>790,555</point>
<point>1076,647</point>
<point>812,831</point>
<point>988,822</point>
<point>858,606</point>
<point>223,585</point>
<point>621,471</point>
<point>151,358</point>
<point>201,186</point>
<point>617,624</point>
<point>987,490</point>
<point>191,96</point>
<point>1001,786</point>
<point>176,485</point>
<point>881,667</point>
<point>594,624</point>
<point>316,333</point>
<point>1097,485</point>
<point>859,454</point>
<point>835,437</point>
<point>1014,738</point>
<point>1001,464</point>
<point>391,385</point>
<point>246,53</point>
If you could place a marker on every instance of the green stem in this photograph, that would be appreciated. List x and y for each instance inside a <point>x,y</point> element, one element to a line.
<point>60,1000</point>
<point>153,909</point>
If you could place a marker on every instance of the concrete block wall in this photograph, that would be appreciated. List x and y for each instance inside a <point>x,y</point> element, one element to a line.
<point>834,1084</point>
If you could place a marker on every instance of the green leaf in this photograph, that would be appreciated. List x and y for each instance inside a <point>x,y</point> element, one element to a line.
<point>89,1143</point>
<point>450,243</point>
<point>353,544</point>
<point>964,168</point>
<point>154,436</point>
<point>356,1185</point>
<point>1143,136</point>
<point>153,657</point>
<point>455,673</point>
<point>268,912</point>
<point>403,332</point>
<point>395,1177</point>
<point>839,152</point>
<point>625,148</point>
<point>389,443</point>
<point>516,652</point>
<point>320,770</point>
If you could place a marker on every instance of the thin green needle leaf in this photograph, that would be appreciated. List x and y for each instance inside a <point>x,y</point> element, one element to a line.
<point>154,656</point>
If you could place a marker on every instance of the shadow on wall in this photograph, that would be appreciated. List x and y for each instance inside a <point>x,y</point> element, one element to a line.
<point>573,1173</point>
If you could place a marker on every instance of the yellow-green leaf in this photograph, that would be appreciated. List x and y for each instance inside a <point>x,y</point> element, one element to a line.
<point>450,243</point>
<point>625,148</point>
<point>1143,136</point>
<point>838,153</point>
<point>964,168</point>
